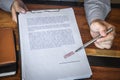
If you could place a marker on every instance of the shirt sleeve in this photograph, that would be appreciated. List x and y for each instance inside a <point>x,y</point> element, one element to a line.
<point>96,9</point>
<point>6,4</point>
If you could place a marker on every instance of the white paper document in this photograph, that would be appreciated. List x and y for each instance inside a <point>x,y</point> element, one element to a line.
<point>45,37</point>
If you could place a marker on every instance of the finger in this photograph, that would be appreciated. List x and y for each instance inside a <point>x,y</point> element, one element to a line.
<point>98,46</point>
<point>22,7</point>
<point>109,37</point>
<point>21,10</point>
<point>14,16</point>
<point>103,31</point>
<point>25,7</point>
<point>94,34</point>
<point>106,46</point>
<point>19,6</point>
<point>103,45</point>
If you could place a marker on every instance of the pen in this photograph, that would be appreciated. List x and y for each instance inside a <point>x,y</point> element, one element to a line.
<point>88,43</point>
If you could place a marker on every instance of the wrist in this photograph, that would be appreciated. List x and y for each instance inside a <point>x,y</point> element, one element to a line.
<point>96,20</point>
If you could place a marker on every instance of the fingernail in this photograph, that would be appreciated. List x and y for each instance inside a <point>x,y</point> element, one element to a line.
<point>22,11</point>
<point>98,40</point>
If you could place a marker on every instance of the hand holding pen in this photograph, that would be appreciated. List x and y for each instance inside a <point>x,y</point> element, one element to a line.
<point>98,26</point>
<point>86,44</point>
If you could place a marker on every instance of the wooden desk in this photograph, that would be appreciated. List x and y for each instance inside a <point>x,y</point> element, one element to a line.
<point>99,73</point>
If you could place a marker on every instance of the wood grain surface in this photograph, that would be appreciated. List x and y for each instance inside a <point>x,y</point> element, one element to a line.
<point>99,73</point>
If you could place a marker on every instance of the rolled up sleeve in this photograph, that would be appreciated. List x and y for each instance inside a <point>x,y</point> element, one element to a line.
<point>96,9</point>
<point>6,4</point>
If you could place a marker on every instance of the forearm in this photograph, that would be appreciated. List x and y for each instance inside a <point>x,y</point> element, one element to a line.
<point>96,9</point>
<point>6,4</point>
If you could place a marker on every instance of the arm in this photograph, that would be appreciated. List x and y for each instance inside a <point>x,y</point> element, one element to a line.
<point>13,6</point>
<point>96,12</point>
<point>6,4</point>
<point>96,9</point>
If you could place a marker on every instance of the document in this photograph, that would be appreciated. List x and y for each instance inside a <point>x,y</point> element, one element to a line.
<point>45,37</point>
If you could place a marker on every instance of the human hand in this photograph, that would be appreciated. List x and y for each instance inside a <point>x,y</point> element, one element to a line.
<point>17,6</point>
<point>100,27</point>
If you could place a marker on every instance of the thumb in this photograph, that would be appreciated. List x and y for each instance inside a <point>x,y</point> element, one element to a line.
<point>14,16</point>
<point>102,31</point>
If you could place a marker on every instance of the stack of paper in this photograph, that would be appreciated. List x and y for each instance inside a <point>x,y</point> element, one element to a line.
<point>45,37</point>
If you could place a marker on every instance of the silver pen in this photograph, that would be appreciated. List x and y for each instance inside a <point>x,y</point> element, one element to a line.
<point>93,40</point>
<point>87,44</point>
